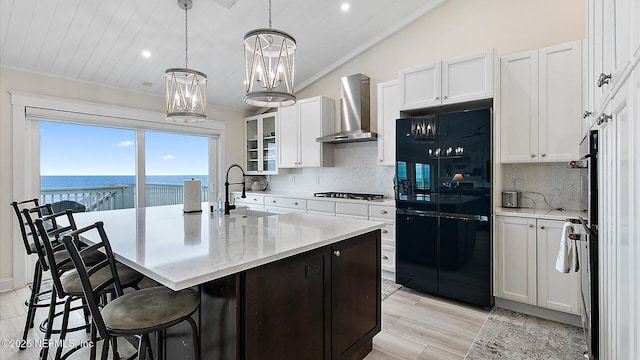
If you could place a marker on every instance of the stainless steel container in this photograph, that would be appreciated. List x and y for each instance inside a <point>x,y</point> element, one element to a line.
<point>511,199</point>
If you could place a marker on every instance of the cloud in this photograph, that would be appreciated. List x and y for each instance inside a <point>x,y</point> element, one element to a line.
<point>168,157</point>
<point>125,143</point>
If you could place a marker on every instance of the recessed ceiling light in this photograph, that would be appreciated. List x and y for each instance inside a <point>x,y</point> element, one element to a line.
<point>146,53</point>
<point>345,6</point>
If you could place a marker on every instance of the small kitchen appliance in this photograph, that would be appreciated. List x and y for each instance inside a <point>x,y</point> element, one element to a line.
<point>511,199</point>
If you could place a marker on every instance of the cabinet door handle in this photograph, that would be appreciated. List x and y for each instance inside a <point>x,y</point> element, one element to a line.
<point>533,155</point>
<point>603,118</point>
<point>336,253</point>
<point>604,79</point>
<point>273,201</point>
<point>385,257</point>
<point>541,227</point>
<point>437,98</point>
<point>543,155</point>
<point>446,97</point>
<point>254,199</point>
<point>530,225</point>
<point>384,231</point>
<point>586,114</point>
<point>384,212</point>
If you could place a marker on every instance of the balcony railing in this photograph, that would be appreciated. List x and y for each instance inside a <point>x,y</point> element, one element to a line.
<point>118,196</point>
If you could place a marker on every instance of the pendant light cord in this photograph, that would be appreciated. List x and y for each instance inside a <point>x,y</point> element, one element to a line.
<point>269,14</point>
<point>186,39</point>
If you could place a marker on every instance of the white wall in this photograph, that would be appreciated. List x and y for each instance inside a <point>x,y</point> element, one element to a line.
<point>11,79</point>
<point>455,28</point>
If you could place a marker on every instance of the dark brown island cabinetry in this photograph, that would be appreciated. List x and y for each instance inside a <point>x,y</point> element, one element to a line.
<point>323,304</point>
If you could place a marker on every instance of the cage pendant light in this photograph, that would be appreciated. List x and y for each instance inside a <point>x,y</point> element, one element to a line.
<point>269,67</point>
<point>185,89</point>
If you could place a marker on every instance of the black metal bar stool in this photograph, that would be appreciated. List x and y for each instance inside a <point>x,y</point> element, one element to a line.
<point>37,298</point>
<point>137,313</point>
<point>65,277</point>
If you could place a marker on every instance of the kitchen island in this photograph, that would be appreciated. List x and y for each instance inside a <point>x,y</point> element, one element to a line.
<point>272,286</point>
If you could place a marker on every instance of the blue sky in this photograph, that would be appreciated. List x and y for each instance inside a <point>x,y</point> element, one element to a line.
<point>70,149</point>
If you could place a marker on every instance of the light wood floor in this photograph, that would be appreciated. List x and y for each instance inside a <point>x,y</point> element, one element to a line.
<point>415,326</point>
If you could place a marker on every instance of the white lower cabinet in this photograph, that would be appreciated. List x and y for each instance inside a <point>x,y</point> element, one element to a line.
<point>252,201</point>
<point>386,214</point>
<point>527,250</point>
<point>283,205</point>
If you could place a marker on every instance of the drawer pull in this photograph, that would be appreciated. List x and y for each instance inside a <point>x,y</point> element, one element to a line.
<point>385,257</point>
<point>530,225</point>
<point>384,212</point>
<point>273,201</point>
<point>384,231</point>
<point>542,227</point>
<point>254,199</point>
<point>336,253</point>
<point>295,203</point>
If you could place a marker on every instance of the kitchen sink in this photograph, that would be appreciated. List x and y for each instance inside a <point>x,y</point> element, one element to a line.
<point>244,211</point>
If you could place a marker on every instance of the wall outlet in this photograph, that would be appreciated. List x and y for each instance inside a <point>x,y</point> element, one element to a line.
<point>519,184</point>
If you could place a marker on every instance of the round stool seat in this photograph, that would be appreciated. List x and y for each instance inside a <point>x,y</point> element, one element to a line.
<point>149,308</point>
<point>90,258</point>
<point>72,285</point>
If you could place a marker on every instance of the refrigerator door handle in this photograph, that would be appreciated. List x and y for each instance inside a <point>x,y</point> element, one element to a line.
<point>482,218</point>
<point>417,212</point>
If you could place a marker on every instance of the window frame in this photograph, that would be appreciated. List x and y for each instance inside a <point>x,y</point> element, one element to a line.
<point>28,108</point>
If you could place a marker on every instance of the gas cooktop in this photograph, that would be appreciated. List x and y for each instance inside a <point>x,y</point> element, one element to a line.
<point>348,195</point>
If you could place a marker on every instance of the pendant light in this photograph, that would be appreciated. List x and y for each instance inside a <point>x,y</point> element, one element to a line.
<point>185,89</point>
<point>269,67</point>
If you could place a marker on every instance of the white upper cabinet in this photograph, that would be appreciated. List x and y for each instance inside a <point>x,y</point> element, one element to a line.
<point>541,104</point>
<point>613,40</point>
<point>455,80</point>
<point>420,86</point>
<point>560,102</point>
<point>261,147</point>
<point>467,78</point>
<point>299,126</point>
<point>388,112</point>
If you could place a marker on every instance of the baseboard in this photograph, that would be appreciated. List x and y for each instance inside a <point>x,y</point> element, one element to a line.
<point>6,284</point>
<point>548,314</point>
<point>389,275</point>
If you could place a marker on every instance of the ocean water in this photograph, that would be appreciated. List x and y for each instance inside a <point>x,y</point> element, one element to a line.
<point>62,181</point>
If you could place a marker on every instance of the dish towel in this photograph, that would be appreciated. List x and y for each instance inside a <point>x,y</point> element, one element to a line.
<point>568,253</point>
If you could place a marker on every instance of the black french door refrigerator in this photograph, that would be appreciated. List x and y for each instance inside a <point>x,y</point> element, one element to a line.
<point>443,201</point>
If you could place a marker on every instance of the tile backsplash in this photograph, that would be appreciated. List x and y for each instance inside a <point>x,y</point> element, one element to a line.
<point>559,185</point>
<point>355,169</point>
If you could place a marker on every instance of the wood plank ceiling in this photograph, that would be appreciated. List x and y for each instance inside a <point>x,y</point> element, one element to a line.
<point>101,41</point>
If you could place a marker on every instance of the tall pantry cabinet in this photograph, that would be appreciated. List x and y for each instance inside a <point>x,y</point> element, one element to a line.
<point>613,105</point>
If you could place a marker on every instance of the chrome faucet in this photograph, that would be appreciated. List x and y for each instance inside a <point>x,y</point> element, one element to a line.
<point>228,207</point>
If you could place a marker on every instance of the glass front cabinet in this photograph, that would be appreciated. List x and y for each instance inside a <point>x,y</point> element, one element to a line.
<point>261,144</point>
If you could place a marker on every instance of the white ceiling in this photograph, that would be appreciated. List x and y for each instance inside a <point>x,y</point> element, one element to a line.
<point>101,41</point>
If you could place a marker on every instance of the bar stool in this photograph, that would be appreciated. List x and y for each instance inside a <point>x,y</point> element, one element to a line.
<point>33,247</point>
<point>137,313</point>
<point>65,277</point>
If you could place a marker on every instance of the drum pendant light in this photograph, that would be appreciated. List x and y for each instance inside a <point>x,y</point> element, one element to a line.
<point>185,89</point>
<point>269,63</point>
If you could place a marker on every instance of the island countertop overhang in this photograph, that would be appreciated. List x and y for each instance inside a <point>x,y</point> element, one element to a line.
<point>183,250</point>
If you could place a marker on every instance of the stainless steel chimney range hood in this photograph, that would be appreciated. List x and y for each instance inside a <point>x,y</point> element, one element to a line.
<point>355,114</point>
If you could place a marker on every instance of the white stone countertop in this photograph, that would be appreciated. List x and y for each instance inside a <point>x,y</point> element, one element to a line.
<point>183,250</point>
<point>309,196</point>
<point>548,214</point>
